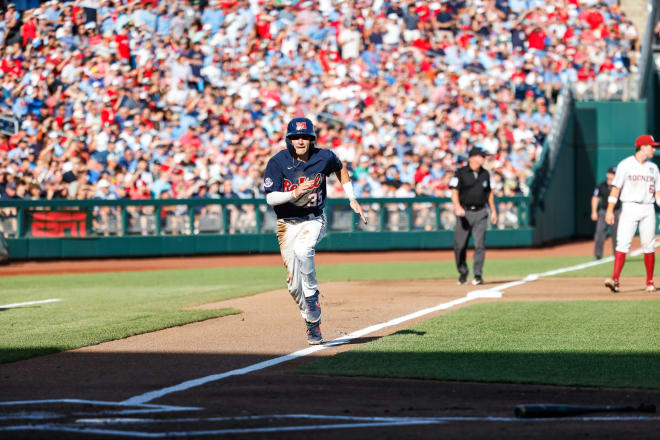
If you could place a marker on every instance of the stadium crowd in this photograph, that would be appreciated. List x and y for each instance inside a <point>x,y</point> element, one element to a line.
<point>148,99</point>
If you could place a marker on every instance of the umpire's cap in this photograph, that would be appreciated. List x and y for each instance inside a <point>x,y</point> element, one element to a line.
<point>478,151</point>
<point>611,170</point>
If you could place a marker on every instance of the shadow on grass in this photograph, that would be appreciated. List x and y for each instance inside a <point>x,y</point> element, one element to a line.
<point>4,309</point>
<point>410,332</point>
<point>357,341</point>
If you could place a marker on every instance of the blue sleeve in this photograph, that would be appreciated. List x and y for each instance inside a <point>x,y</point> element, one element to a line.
<point>334,164</point>
<point>272,177</point>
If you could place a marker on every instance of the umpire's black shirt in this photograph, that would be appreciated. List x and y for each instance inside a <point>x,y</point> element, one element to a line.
<point>473,186</point>
<point>603,192</point>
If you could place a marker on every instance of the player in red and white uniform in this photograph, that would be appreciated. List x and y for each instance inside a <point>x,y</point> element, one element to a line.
<point>636,184</point>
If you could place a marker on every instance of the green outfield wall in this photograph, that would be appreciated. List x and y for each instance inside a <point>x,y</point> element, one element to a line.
<point>605,134</point>
<point>143,228</point>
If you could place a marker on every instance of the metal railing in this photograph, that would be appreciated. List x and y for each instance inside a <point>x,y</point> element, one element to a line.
<point>90,218</point>
<point>646,61</point>
<point>544,168</point>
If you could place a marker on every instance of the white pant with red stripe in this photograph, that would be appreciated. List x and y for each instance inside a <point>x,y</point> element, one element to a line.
<point>632,216</point>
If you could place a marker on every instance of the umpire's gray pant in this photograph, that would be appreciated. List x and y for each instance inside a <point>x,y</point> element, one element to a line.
<point>601,232</point>
<point>474,223</point>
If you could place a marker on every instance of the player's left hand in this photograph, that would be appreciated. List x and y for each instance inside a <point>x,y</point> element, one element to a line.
<point>358,210</point>
<point>493,217</point>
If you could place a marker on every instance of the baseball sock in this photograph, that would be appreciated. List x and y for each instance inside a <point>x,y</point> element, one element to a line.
<point>619,261</point>
<point>649,262</point>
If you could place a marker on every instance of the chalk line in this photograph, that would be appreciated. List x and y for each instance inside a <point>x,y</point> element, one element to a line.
<point>29,303</point>
<point>493,292</point>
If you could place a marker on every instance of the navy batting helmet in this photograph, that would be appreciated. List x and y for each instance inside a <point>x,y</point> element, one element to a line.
<point>299,126</point>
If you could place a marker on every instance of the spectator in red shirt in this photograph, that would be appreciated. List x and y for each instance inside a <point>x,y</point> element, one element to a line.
<point>536,39</point>
<point>586,72</point>
<point>594,18</point>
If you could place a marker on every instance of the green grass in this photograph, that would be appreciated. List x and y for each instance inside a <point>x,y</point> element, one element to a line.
<point>102,307</point>
<point>501,268</point>
<point>608,343</point>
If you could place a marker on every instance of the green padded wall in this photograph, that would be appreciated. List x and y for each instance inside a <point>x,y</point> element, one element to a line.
<point>605,133</point>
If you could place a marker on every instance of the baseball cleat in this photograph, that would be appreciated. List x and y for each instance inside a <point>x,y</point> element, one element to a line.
<point>650,288</point>
<point>462,280</point>
<point>477,281</point>
<point>314,336</point>
<point>313,307</point>
<point>613,285</point>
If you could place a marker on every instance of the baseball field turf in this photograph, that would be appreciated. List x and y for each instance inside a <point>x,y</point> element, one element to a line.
<point>606,343</point>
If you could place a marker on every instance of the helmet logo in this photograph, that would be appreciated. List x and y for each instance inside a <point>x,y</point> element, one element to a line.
<point>301,125</point>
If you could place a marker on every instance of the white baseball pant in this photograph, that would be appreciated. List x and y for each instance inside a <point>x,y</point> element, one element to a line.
<point>297,239</point>
<point>633,215</point>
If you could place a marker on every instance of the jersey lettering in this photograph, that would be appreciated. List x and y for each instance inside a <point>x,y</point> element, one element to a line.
<point>638,178</point>
<point>290,186</point>
<point>287,175</point>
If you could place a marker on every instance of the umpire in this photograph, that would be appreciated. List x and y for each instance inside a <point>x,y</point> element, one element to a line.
<point>598,208</point>
<point>470,192</point>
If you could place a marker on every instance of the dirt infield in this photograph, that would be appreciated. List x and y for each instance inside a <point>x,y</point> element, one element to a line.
<point>120,265</point>
<point>170,382</point>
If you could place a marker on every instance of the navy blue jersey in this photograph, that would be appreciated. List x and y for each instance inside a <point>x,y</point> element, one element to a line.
<point>284,173</point>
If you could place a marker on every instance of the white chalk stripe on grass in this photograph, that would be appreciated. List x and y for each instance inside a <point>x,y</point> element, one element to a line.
<point>29,303</point>
<point>494,292</point>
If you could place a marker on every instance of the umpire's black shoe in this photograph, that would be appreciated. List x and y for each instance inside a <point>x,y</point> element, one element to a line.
<point>477,281</point>
<point>462,280</point>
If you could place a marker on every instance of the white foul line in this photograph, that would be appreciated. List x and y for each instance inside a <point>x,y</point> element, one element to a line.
<point>29,303</point>
<point>494,292</point>
<point>141,408</point>
<point>357,422</point>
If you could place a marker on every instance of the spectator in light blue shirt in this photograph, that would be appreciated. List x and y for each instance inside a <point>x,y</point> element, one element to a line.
<point>313,67</point>
<point>543,119</point>
<point>149,18</point>
<point>308,91</point>
<point>568,75</point>
<point>213,15</point>
<point>122,20</point>
<point>550,77</point>
<point>241,183</point>
<point>105,15</point>
<point>20,107</point>
<point>52,13</point>
<point>164,22</point>
<point>317,33</point>
<point>371,57</point>
<point>519,5</point>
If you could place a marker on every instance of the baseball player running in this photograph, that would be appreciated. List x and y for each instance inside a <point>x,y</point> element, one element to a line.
<point>635,183</point>
<point>295,185</point>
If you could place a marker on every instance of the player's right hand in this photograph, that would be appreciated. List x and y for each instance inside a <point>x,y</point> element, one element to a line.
<point>459,211</point>
<point>304,188</point>
<point>594,216</point>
